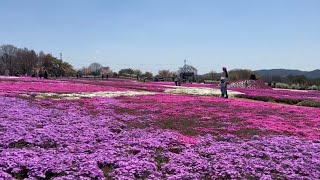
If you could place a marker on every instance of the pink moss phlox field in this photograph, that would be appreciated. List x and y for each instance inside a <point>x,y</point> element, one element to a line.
<point>10,87</point>
<point>159,136</point>
<point>184,84</point>
<point>63,141</point>
<point>281,94</point>
<point>247,84</point>
<point>127,85</point>
<point>214,115</point>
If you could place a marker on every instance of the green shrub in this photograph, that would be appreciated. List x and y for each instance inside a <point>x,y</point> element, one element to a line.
<point>288,101</point>
<point>310,103</point>
<point>257,98</point>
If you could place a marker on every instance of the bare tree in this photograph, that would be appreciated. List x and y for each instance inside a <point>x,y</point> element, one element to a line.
<point>7,55</point>
<point>106,71</point>
<point>85,71</point>
<point>26,60</point>
<point>188,69</point>
<point>165,74</point>
<point>137,72</point>
<point>148,75</point>
<point>126,72</point>
<point>213,75</point>
<point>95,68</point>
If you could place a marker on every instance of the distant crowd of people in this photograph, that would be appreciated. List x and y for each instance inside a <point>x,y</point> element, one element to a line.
<point>42,73</point>
<point>178,80</point>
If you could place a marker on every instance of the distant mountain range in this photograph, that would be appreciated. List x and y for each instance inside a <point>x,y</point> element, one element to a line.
<point>286,72</point>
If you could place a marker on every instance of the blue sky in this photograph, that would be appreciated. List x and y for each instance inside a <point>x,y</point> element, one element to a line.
<point>160,34</point>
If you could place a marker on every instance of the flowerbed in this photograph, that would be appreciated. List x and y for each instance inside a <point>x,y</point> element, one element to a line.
<point>36,86</point>
<point>249,84</point>
<point>199,91</point>
<point>158,136</point>
<point>75,96</point>
<point>281,96</point>
<point>200,115</point>
<point>127,85</point>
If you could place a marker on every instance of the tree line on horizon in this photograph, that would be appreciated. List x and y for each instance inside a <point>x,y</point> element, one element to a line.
<point>25,61</point>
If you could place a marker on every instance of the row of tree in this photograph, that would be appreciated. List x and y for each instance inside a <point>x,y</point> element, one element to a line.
<point>136,73</point>
<point>25,61</point>
<point>95,69</point>
<point>235,74</point>
<point>293,79</point>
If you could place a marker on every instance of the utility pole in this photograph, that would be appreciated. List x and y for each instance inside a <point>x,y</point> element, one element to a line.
<point>61,56</point>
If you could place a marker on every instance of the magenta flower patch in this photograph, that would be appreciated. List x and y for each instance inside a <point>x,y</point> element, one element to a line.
<point>158,136</point>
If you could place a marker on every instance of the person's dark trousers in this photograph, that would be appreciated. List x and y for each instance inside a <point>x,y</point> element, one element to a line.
<point>224,92</point>
<point>176,82</point>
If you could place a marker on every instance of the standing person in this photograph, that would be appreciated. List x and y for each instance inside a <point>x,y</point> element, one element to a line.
<point>40,73</point>
<point>176,80</point>
<point>224,82</point>
<point>34,73</point>
<point>45,75</point>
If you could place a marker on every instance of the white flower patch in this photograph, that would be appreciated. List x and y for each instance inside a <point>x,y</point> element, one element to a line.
<point>199,91</point>
<point>9,77</point>
<point>74,96</point>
